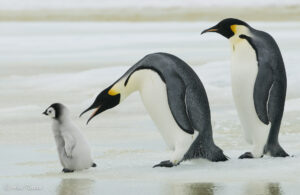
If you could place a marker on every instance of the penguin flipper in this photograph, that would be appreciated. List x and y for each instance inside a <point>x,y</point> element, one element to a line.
<point>176,99</point>
<point>262,90</point>
<point>69,144</point>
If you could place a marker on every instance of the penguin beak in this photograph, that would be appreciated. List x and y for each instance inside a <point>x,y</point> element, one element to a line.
<point>45,113</point>
<point>212,29</point>
<point>97,111</point>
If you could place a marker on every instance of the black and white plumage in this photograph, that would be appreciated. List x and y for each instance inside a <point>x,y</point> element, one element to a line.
<point>73,149</point>
<point>258,84</point>
<point>176,101</point>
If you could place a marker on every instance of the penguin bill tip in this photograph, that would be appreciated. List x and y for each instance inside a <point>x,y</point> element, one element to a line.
<point>93,115</point>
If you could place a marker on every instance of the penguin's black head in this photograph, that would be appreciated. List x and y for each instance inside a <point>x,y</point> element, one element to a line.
<point>54,111</point>
<point>107,99</point>
<point>226,27</point>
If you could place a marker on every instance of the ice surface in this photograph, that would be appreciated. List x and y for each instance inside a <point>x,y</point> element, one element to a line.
<point>43,63</point>
<point>63,4</point>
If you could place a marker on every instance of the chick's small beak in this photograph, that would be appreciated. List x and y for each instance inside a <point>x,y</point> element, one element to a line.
<point>45,113</point>
<point>212,29</point>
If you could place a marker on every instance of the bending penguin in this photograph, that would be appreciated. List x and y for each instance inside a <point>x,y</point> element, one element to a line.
<point>73,149</point>
<point>258,85</point>
<point>176,101</point>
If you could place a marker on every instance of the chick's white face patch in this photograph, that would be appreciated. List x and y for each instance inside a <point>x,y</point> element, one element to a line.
<point>51,112</point>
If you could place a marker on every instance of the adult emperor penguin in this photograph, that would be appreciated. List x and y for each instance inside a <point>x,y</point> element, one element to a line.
<point>176,101</point>
<point>73,149</point>
<point>258,85</point>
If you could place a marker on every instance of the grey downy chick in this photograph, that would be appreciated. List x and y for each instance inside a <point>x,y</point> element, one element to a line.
<point>73,149</point>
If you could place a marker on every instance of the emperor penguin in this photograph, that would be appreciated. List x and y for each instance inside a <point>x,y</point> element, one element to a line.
<point>73,149</point>
<point>258,84</point>
<point>176,101</point>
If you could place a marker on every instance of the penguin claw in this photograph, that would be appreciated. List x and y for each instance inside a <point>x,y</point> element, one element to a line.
<point>246,155</point>
<point>166,163</point>
<point>65,170</point>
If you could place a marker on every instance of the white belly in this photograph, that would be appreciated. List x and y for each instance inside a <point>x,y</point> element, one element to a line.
<point>243,75</point>
<point>81,153</point>
<point>154,95</point>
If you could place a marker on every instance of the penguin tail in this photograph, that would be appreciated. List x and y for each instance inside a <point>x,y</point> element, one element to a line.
<point>94,165</point>
<point>202,149</point>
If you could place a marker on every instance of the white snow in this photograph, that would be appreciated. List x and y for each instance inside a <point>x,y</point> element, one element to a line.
<point>43,63</point>
<point>94,4</point>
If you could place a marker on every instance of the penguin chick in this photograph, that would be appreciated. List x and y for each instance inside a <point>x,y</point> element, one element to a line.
<point>73,149</point>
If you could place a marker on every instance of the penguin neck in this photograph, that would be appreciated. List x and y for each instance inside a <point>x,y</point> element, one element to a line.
<point>65,117</point>
<point>133,84</point>
<point>238,30</point>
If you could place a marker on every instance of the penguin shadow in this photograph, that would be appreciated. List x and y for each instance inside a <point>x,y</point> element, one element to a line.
<point>72,186</point>
<point>225,188</point>
<point>263,188</point>
<point>191,189</point>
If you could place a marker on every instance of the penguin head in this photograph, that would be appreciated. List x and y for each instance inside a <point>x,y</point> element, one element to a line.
<point>55,111</point>
<point>228,27</point>
<point>107,99</point>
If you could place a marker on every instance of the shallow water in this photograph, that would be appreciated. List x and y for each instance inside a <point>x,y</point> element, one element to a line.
<point>42,63</point>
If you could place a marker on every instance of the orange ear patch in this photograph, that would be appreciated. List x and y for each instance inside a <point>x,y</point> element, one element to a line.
<point>234,28</point>
<point>112,92</point>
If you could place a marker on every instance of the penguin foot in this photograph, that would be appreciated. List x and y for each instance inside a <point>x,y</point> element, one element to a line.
<point>246,155</point>
<point>166,163</point>
<point>65,170</point>
<point>94,165</point>
<point>275,151</point>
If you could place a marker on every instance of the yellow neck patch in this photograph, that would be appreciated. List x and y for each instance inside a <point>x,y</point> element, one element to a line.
<point>113,92</point>
<point>234,28</point>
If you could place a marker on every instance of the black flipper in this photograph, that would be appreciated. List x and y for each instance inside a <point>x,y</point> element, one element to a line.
<point>262,88</point>
<point>270,87</point>
<point>199,114</point>
<point>176,99</point>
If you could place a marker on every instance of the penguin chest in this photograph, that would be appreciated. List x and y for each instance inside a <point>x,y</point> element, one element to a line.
<point>244,69</point>
<point>154,96</point>
<point>243,75</point>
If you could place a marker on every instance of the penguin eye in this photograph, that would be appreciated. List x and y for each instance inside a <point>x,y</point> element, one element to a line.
<point>50,111</point>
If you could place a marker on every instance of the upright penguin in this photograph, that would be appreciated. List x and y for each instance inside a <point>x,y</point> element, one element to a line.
<point>258,84</point>
<point>73,149</point>
<point>176,101</point>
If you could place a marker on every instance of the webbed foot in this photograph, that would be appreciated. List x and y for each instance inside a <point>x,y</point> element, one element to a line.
<point>65,170</point>
<point>246,155</point>
<point>166,163</point>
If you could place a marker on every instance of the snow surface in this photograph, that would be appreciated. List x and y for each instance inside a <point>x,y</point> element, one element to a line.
<point>43,63</point>
<point>94,4</point>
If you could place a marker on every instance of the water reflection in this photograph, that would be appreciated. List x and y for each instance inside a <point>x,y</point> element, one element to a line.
<point>237,188</point>
<point>192,189</point>
<point>262,188</point>
<point>75,187</point>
